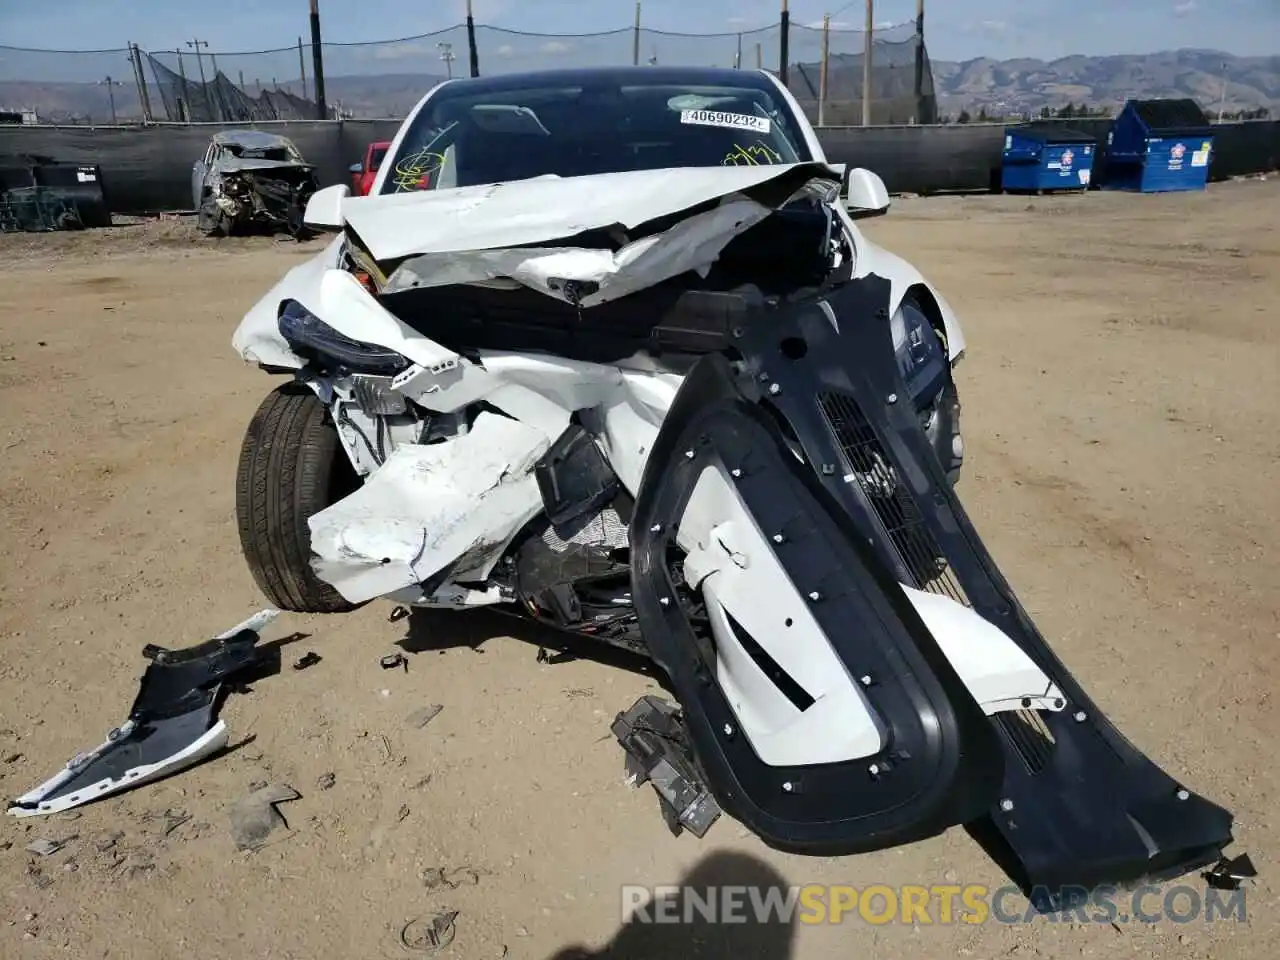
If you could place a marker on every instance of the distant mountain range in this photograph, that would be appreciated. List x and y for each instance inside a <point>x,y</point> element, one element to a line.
<point>1026,86</point>
<point>1000,87</point>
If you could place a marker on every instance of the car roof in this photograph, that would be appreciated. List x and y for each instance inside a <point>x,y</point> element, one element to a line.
<point>253,139</point>
<point>616,76</point>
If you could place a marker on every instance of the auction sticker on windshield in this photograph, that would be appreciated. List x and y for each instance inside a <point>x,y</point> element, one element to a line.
<point>734,121</point>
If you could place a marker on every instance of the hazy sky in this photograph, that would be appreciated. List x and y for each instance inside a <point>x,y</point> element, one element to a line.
<point>957,29</point>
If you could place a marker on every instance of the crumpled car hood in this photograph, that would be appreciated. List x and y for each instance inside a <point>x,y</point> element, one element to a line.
<point>509,230</point>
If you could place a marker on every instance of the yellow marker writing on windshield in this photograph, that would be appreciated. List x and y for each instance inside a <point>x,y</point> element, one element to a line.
<point>751,155</point>
<point>411,172</point>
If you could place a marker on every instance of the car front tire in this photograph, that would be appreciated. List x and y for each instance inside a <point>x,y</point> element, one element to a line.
<point>291,466</point>
<point>943,430</point>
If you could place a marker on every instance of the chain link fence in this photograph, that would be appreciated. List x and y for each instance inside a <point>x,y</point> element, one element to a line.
<point>385,79</point>
<point>70,86</point>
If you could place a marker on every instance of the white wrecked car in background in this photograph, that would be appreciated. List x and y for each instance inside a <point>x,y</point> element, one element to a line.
<point>606,347</point>
<point>249,178</point>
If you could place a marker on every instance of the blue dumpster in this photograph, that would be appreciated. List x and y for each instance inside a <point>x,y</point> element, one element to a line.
<point>1046,156</point>
<point>1159,145</point>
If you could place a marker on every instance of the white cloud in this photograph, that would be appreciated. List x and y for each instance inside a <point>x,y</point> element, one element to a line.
<point>556,46</point>
<point>835,25</point>
<point>1184,8</point>
<point>506,50</point>
<point>995,26</point>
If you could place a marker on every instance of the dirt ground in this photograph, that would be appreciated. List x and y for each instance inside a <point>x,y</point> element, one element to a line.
<point>1120,396</point>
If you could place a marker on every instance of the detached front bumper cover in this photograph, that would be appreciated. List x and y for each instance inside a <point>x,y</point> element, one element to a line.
<point>171,725</point>
<point>1074,805</point>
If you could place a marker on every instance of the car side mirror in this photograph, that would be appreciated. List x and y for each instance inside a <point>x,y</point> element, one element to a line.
<point>865,194</point>
<point>324,209</point>
<point>356,168</point>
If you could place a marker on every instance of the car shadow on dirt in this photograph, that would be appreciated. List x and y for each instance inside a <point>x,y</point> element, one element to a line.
<point>701,930</point>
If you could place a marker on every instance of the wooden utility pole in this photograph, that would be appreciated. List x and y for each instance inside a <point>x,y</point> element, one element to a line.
<point>317,61</point>
<point>473,53</point>
<point>866,64</point>
<point>635,38</point>
<point>922,116</point>
<point>784,44</point>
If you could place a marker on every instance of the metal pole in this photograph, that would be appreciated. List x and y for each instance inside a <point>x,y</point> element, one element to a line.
<point>737,57</point>
<point>1222,101</point>
<point>635,39</point>
<point>822,74</point>
<point>204,86</point>
<point>759,58</point>
<point>446,54</point>
<point>866,64</point>
<point>317,57</point>
<point>302,65</point>
<point>784,43</point>
<point>143,95</point>
<point>922,115</point>
<point>242,86</point>
<point>184,110</point>
<point>471,42</point>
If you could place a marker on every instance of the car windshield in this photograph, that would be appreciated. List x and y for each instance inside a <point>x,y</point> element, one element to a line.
<point>376,155</point>
<point>464,136</point>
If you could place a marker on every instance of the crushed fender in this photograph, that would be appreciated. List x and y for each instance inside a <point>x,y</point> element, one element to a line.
<point>171,725</point>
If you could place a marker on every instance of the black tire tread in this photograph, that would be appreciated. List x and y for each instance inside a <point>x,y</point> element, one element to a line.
<point>287,459</point>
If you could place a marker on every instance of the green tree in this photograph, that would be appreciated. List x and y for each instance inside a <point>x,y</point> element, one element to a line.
<point>964,117</point>
<point>982,115</point>
<point>1045,113</point>
<point>1067,112</point>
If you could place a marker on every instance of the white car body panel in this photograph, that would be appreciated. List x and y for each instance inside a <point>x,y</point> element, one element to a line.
<point>739,574</point>
<point>461,500</point>
<point>428,506</point>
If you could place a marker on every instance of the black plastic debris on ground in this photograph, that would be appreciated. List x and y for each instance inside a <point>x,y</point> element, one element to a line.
<point>393,660</point>
<point>170,725</point>
<point>652,733</point>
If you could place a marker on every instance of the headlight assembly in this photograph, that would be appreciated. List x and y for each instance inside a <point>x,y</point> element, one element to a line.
<point>311,337</point>
<point>921,359</point>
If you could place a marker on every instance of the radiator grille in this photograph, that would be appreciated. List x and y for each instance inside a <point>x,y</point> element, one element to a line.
<point>892,501</point>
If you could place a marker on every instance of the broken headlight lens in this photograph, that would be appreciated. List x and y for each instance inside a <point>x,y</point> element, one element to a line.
<point>311,337</point>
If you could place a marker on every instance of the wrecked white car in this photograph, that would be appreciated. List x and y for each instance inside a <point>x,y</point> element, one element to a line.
<point>250,179</point>
<point>606,348</point>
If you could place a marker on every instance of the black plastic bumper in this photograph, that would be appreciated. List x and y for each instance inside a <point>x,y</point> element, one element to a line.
<point>1076,806</point>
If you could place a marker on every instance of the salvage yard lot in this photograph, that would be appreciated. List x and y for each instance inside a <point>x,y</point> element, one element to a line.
<point>1122,417</point>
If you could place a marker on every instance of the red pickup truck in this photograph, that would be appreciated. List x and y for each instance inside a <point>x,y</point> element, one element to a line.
<point>363,173</point>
